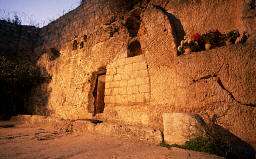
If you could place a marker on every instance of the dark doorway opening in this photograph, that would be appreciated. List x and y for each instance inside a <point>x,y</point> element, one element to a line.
<point>133,25</point>
<point>134,48</point>
<point>99,92</point>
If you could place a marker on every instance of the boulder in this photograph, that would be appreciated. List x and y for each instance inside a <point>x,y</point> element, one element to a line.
<point>180,127</point>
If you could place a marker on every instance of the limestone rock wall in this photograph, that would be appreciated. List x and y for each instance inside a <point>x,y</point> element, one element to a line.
<point>94,19</point>
<point>72,82</point>
<point>91,26</point>
<point>202,16</point>
<point>140,89</point>
<point>219,81</point>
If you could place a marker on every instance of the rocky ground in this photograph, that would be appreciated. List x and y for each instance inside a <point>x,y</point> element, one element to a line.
<point>45,142</point>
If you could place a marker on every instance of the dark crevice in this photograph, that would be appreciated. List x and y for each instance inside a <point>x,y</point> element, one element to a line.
<point>253,4</point>
<point>54,53</point>
<point>85,37</point>
<point>204,78</point>
<point>133,21</point>
<point>131,4</point>
<point>215,75</point>
<point>232,96</point>
<point>95,121</point>
<point>81,45</point>
<point>133,25</point>
<point>162,137</point>
<point>75,45</point>
<point>224,88</point>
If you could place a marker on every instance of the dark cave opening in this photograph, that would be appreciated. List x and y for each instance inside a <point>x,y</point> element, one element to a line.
<point>134,48</point>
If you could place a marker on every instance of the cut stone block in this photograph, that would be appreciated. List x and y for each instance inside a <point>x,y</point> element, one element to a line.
<point>180,127</point>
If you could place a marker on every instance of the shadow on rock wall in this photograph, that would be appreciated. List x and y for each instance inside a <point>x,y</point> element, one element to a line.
<point>16,82</point>
<point>177,28</point>
<point>19,75</point>
<point>224,143</point>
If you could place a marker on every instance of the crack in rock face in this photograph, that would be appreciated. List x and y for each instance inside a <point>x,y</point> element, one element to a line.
<point>232,96</point>
<point>220,83</point>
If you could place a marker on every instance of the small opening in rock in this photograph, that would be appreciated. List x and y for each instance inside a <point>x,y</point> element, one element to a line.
<point>75,45</point>
<point>54,53</point>
<point>134,48</point>
<point>85,38</point>
<point>81,45</point>
<point>133,25</point>
<point>113,30</point>
<point>252,4</point>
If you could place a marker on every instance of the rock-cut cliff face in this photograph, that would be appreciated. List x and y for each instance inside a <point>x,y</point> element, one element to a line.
<point>117,61</point>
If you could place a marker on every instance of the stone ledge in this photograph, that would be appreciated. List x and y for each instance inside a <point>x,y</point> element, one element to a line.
<point>148,135</point>
<point>145,134</point>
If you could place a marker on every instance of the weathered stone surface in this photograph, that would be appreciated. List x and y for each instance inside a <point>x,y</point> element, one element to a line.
<point>199,17</point>
<point>81,126</point>
<point>132,132</point>
<point>132,116</point>
<point>128,77</point>
<point>139,89</point>
<point>87,126</point>
<point>93,146</point>
<point>180,127</point>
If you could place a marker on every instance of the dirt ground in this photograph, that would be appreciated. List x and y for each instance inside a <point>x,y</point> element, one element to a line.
<point>45,143</point>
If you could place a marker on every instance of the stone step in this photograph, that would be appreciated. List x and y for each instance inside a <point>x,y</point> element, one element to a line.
<point>119,130</point>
